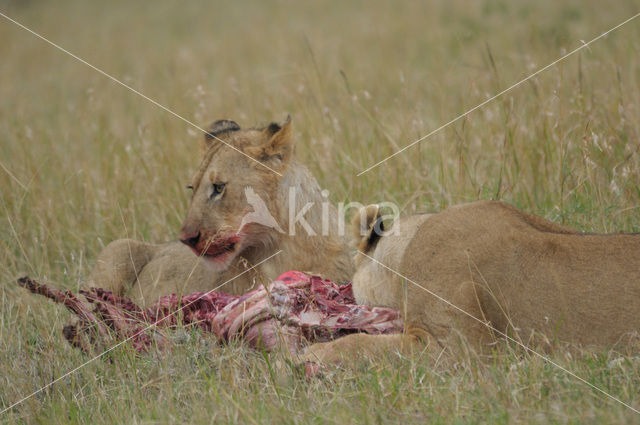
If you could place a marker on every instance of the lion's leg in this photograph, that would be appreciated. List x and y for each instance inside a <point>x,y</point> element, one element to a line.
<point>466,323</point>
<point>434,327</point>
<point>174,269</point>
<point>353,348</point>
<point>119,264</point>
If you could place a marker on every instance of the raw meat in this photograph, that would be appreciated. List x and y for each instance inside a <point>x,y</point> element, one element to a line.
<point>291,312</point>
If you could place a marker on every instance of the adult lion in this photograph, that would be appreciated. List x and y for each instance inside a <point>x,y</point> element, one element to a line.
<point>250,199</point>
<point>498,266</point>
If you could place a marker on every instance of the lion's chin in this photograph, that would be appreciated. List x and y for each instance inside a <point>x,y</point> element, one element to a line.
<point>220,256</point>
<point>220,262</point>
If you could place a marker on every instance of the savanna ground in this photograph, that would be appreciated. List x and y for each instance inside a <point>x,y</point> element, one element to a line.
<point>84,161</point>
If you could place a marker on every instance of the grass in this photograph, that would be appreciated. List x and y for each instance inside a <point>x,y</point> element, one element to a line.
<point>84,161</point>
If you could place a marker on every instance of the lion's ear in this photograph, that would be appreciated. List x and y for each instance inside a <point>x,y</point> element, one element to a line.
<point>216,130</point>
<point>279,147</point>
<point>367,227</point>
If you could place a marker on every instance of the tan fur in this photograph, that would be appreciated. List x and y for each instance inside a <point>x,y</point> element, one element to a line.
<point>522,274</point>
<point>147,271</point>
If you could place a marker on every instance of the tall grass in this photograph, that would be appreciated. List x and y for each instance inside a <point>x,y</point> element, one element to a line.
<point>83,161</point>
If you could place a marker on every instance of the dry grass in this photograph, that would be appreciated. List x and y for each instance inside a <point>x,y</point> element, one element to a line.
<point>83,162</point>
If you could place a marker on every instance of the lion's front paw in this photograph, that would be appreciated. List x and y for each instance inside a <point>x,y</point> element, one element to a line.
<point>340,351</point>
<point>317,356</point>
<point>322,352</point>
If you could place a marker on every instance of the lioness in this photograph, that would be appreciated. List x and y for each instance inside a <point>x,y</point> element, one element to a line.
<point>241,212</point>
<point>518,273</point>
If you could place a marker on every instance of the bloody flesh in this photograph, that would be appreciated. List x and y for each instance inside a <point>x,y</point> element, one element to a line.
<point>293,311</point>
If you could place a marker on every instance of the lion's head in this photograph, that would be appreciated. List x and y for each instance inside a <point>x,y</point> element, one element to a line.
<point>234,198</point>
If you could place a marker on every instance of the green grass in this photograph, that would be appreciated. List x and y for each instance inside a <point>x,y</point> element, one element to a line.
<point>84,161</point>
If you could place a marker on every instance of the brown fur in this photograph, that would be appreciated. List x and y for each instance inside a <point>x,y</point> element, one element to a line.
<point>147,271</point>
<point>522,274</point>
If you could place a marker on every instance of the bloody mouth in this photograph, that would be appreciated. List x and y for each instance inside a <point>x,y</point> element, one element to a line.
<point>218,247</point>
<point>215,251</point>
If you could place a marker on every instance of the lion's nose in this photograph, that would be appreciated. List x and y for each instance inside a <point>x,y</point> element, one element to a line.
<point>190,239</point>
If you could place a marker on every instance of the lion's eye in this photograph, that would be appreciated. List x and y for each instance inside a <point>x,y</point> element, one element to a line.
<point>217,189</point>
<point>190,187</point>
